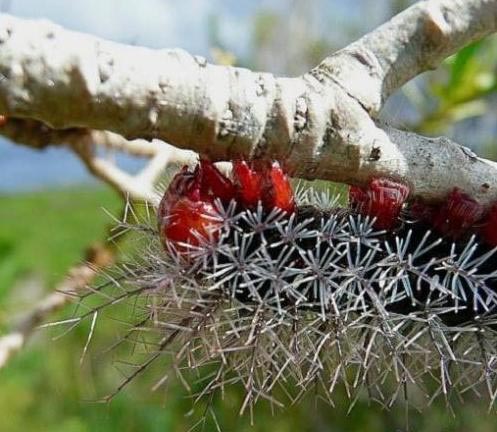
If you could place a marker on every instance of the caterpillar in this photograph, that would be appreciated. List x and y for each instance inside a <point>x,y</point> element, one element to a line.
<point>264,212</point>
<point>249,283</point>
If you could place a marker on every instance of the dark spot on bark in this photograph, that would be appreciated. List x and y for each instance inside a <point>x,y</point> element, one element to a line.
<point>5,35</point>
<point>485,187</point>
<point>375,154</point>
<point>260,89</point>
<point>163,84</point>
<point>201,61</point>
<point>330,135</point>
<point>226,124</point>
<point>319,75</point>
<point>301,114</point>
<point>105,67</point>
<point>361,58</point>
<point>103,75</point>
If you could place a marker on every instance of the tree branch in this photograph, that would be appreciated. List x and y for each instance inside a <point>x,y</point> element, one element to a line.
<point>416,40</point>
<point>316,124</point>
<point>77,279</point>
<point>138,187</point>
<point>85,142</point>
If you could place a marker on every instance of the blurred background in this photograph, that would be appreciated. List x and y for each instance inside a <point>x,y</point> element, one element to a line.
<point>51,207</point>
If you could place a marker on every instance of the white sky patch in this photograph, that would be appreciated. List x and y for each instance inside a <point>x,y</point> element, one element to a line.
<point>153,23</point>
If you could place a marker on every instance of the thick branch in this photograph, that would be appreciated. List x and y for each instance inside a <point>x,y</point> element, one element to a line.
<point>314,125</point>
<point>34,134</point>
<point>414,41</point>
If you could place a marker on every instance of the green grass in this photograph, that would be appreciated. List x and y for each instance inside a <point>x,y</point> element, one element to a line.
<point>44,233</point>
<point>46,389</point>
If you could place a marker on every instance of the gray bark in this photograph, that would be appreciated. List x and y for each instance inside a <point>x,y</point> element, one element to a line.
<point>321,125</point>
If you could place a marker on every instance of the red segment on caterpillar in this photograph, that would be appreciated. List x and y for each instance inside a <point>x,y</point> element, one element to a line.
<point>215,183</point>
<point>489,227</point>
<point>187,209</point>
<point>186,213</point>
<point>382,199</point>
<point>459,213</point>
<point>263,182</point>
<point>184,184</point>
<point>190,222</point>
<point>277,190</point>
<point>248,183</point>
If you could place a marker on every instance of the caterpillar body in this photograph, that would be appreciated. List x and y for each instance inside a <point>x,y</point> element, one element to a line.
<point>251,284</point>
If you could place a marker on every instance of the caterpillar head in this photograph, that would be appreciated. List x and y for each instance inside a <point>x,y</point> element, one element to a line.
<point>187,212</point>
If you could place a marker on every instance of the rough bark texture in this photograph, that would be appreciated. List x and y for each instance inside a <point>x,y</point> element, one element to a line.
<point>321,125</point>
<point>414,41</point>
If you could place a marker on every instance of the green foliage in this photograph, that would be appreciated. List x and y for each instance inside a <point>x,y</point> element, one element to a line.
<point>45,232</point>
<point>461,89</point>
<point>265,23</point>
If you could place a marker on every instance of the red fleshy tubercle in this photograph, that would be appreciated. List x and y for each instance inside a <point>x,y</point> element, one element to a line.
<point>489,226</point>
<point>3,120</point>
<point>459,213</point>
<point>382,199</point>
<point>190,222</point>
<point>186,213</point>
<point>263,182</point>
<point>187,210</point>
<point>215,183</point>
<point>248,183</point>
<point>185,184</point>
<point>277,190</point>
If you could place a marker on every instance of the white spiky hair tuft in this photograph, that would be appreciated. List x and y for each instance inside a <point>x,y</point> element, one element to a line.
<point>316,299</point>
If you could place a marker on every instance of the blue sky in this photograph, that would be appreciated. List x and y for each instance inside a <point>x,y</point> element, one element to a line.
<point>153,23</point>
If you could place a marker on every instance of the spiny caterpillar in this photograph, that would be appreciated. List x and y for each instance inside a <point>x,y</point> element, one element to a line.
<point>246,283</point>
